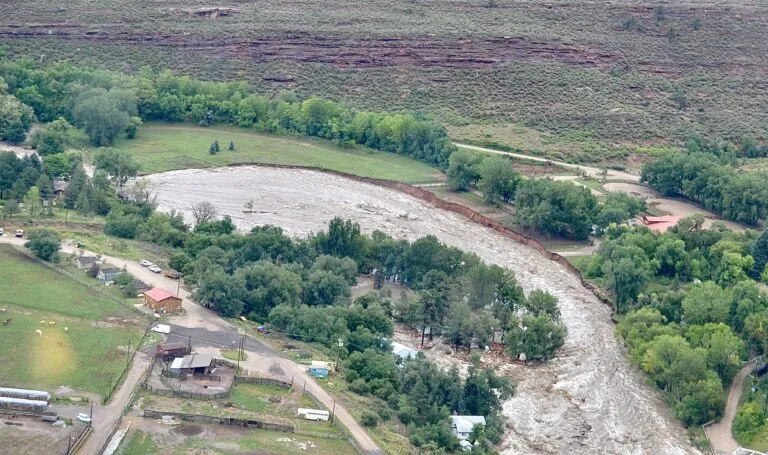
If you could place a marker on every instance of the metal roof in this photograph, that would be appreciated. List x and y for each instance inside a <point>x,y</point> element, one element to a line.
<point>37,394</point>
<point>192,361</point>
<point>22,402</point>
<point>158,295</point>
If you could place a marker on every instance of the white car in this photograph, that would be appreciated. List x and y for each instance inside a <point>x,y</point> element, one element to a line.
<point>1,232</point>
<point>145,263</point>
<point>83,417</point>
<point>154,268</point>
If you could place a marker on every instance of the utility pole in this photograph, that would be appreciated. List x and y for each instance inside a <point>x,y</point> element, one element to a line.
<point>333,412</point>
<point>128,357</point>
<point>178,287</point>
<point>90,424</point>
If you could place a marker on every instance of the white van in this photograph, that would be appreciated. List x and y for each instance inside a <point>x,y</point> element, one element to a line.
<point>314,414</point>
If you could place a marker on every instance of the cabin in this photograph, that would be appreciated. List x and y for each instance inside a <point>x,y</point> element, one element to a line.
<point>60,188</point>
<point>85,262</point>
<point>661,223</point>
<point>192,364</point>
<point>462,425</point>
<point>161,301</point>
<point>107,274</point>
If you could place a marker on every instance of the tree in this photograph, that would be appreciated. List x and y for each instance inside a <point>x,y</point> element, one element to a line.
<point>216,146</point>
<point>32,200</point>
<point>538,337</point>
<point>342,239</point>
<point>102,116</point>
<point>748,423</point>
<point>498,179</point>
<point>618,207</point>
<point>83,204</point>
<point>760,254</point>
<point>44,243</point>
<point>11,208</point>
<point>324,288</point>
<point>542,302</point>
<point>556,207</point>
<point>249,206</point>
<point>16,118</point>
<point>133,127</point>
<point>212,149</point>
<point>119,164</point>
<point>45,186</point>
<point>705,303</point>
<point>203,212</point>
<point>459,330</point>
<point>462,170</point>
<point>724,349</point>
<point>231,147</point>
<point>626,278</point>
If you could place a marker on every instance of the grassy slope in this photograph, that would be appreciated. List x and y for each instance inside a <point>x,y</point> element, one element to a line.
<point>85,358</point>
<point>602,87</point>
<point>161,147</point>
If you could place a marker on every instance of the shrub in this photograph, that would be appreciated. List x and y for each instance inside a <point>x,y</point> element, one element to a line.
<point>359,386</point>
<point>369,419</point>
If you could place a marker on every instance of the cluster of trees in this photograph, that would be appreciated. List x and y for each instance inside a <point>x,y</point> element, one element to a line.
<point>44,243</point>
<point>703,178</point>
<point>423,396</point>
<point>107,104</point>
<point>16,118</point>
<point>556,208</point>
<point>691,310</point>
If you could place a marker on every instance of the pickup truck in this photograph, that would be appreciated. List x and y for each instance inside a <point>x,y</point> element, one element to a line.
<point>19,233</point>
<point>172,274</point>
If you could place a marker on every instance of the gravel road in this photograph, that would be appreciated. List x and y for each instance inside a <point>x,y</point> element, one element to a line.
<point>587,401</point>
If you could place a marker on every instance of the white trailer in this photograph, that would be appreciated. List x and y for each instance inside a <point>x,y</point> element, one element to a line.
<point>314,414</point>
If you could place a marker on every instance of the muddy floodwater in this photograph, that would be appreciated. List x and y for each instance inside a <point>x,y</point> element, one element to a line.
<point>587,401</point>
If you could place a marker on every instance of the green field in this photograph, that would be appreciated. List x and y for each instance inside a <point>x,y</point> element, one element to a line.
<point>161,147</point>
<point>87,357</point>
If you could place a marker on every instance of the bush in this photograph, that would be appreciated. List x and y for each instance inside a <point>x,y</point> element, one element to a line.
<point>369,419</point>
<point>748,423</point>
<point>123,279</point>
<point>45,244</point>
<point>359,386</point>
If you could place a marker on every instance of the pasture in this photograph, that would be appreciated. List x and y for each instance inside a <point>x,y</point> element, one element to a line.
<point>162,147</point>
<point>87,357</point>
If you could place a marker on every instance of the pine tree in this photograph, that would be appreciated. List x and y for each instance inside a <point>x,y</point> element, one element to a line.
<point>216,146</point>
<point>212,149</point>
<point>84,203</point>
<point>231,147</point>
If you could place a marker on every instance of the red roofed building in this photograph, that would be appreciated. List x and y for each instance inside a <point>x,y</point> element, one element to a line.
<point>162,301</point>
<point>661,223</point>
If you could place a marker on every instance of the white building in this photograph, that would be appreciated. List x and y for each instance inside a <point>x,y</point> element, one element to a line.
<point>403,351</point>
<point>462,425</point>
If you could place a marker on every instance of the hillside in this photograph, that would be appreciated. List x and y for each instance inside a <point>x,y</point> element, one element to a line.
<point>584,80</point>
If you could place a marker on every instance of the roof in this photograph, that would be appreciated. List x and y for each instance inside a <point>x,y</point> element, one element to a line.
<point>403,351</point>
<point>23,402</point>
<point>87,259</point>
<point>661,223</point>
<point>171,346</point>
<point>464,424</point>
<point>158,295</point>
<point>192,361</point>
<point>60,185</point>
<point>110,270</point>
<point>138,284</point>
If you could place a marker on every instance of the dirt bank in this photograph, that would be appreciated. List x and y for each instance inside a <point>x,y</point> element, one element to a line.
<point>587,401</point>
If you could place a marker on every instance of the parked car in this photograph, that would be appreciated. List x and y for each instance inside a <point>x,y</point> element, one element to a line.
<point>19,233</point>
<point>145,263</point>
<point>172,274</point>
<point>83,417</point>
<point>1,232</point>
<point>155,269</point>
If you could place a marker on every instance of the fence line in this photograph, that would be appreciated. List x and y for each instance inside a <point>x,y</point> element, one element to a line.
<point>67,273</point>
<point>73,448</point>
<point>202,418</point>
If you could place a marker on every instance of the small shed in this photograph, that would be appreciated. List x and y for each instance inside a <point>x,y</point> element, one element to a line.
<point>330,366</point>
<point>85,262</point>
<point>462,425</point>
<point>161,301</point>
<point>193,364</point>
<point>60,188</point>
<point>140,287</point>
<point>108,273</point>
<point>402,351</point>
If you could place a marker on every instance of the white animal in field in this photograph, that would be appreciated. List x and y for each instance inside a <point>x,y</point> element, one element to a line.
<point>42,322</point>
<point>51,323</point>
<point>66,329</point>
<point>39,332</point>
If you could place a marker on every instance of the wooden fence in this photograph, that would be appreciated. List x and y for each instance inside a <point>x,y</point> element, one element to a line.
<point>263,381</point>
<point>201,418</point>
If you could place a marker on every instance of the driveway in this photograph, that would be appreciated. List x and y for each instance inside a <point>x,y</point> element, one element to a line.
<point>205,328</point>
<point>720,434</point>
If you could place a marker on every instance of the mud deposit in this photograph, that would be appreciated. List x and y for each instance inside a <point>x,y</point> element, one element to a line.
<point>588,401</point>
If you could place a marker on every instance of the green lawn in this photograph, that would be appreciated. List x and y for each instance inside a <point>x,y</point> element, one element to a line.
<point>87,357</point>
<point>164,147</point>
<point>255,398</point>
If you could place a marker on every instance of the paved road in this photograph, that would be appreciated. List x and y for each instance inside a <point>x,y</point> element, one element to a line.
<point>720,434</point>
<point>591,171</point>
<point>206,328</point>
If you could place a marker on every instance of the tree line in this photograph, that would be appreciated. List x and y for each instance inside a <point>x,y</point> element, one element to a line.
<point>691,310</point>
<point>704,178</point>
<point>556,208</point>
<point>106,104</point>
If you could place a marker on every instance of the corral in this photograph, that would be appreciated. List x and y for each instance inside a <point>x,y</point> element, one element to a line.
<point>214,382</point>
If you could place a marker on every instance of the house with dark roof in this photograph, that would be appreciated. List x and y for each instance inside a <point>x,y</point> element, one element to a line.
<point>85,262</point>
<point>107,273</point>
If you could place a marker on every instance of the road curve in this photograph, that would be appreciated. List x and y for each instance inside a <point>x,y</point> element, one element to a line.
<point>197,317</point>
<point>720,434</point>
<point>591,171</point>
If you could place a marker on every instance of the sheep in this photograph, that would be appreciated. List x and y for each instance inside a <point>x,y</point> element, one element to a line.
<point>39,332</point>
<point>66,329</point>
<point>42,322</point>
<point>51,323</point>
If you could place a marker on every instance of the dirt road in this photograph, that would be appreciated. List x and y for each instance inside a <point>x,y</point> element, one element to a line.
<point>591,171</point>
<point>588,401</point>
<point>720,434</point>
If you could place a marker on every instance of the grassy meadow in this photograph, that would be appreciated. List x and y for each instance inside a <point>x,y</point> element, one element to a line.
<point>162,147</point>
<point>87,357</point>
